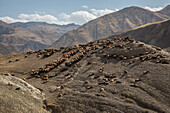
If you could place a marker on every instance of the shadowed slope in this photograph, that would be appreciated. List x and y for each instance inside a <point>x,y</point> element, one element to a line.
<point>155,34</point>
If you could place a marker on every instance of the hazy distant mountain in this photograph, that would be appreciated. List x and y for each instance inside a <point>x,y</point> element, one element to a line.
<point>7,48</point>
<point>127,18</point>
<point>5,28</point>
<point>13,39</point>
<point>43,26</point>
<point>18,37</point>
<point>46,31</point>
<point>157,33</point>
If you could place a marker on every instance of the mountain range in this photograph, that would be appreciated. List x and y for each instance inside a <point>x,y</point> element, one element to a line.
<point>45,27</point>
<point>17,37</point>
<point>118,72</point>
<point>127,18</point>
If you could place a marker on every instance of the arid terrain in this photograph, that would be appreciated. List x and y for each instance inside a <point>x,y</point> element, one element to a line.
<point>84,56</point>
<point>127,18</point>
<point>117,75</point>
<point>157,33</point>
<point>19,37</point>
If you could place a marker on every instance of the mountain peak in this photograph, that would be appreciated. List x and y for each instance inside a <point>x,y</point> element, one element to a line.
<point>165,11</point>
<point>134,9</point>
<point>166,8</point>
<point>127,18</point>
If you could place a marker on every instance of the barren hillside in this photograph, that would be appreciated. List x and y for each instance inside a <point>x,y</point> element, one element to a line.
<point>127,18</point>
<point>155,34</point>
<point>116,75</point>
<point>29,36</point>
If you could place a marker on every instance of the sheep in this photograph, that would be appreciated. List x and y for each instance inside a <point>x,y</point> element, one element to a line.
<point>140,45</point>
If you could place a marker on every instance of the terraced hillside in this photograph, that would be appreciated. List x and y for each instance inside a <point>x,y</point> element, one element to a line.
<point>117,75</point>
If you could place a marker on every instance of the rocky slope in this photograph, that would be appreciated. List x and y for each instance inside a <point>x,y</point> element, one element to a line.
<point>116,75</point>
<point>29,36</point>
<point>127,18</point>
<point>155,34</point>
<point>17,96</point>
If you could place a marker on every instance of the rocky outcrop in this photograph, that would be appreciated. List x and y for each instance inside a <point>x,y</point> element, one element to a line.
<point>17,96</point>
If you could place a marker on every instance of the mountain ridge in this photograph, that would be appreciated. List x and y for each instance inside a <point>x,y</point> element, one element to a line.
<point>17,37</point>
<point>154,33</point>
<point>53,28</point>
<point>127,18</point>
<point>165,10</point>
